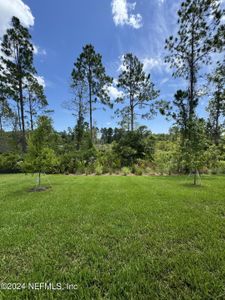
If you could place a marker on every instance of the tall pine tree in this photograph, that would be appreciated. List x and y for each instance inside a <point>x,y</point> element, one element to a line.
<point>89,68</point>
<point>138,90</point>
<point>17,59</point>
<point>36,99</point>
<point>216,106</point>
<point>199,29</point>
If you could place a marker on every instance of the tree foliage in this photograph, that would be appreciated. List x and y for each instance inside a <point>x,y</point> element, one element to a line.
<point>89,74</point>
<point>138,90</point>
<point>40,157</point>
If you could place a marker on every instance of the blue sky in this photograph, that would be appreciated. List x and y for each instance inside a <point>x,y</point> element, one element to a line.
<point>60,29</point>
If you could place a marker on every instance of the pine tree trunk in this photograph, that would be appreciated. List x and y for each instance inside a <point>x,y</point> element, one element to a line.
<point>132,118</point>
<point>1,125</point>
<point>217,129</point>
<point>22,115</point>
<point>131,112</point>
<point>19,118</point>
<point>195,177</point>
<point>31,113</point>
<point>192,77</point>
<point>90,108</point>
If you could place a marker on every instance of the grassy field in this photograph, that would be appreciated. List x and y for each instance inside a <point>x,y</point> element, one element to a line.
<point>113,237</point>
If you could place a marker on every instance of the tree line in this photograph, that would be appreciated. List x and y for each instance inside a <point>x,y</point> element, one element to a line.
<point>192,51</point>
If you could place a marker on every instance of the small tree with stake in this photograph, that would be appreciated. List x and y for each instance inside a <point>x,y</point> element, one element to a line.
<point>193,150</point>
<point>40,158</point>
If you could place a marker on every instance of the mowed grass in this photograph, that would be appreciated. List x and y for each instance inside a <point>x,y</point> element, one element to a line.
<point>115,237</point>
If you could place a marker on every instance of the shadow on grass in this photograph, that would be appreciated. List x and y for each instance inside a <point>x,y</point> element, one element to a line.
<point>39,189</point>
<point>193,186</point>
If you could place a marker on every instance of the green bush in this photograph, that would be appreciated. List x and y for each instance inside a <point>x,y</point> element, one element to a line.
<point>108,159</point>
<point>221,167</point>
<point>137,170</point>
<point>98,169</point>
<point>10,163</point>
<point>133,146</point>
<point>125,171</point>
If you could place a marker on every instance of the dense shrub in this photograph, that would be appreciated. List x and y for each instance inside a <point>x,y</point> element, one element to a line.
<point>108,159</point>
<point>10,163</point>
<point>125,171</point>
<point>166,157</point>
<point>221,167</point>
<point>137,170</point>
<point>78,162</point>
<point>134,145</point>
<point>98,169</point>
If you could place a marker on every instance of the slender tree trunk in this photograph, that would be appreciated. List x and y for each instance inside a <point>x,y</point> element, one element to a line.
<point>195,177</point>
<point>217,127</point>
<point>132,117</point>
<point>18,113</point>
<point>1,125</point>
<point>91,128</point>
<point>131,102</point>
<point>90,108</point>
<point>131,111</point>
<point>22,115</point>
<point>192,76</point>
<point>31,113</point>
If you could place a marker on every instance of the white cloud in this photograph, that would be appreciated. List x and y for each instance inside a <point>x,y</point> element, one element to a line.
<point>41,80</point>
<point>122,15</point>
<point>164,80</point>
<point>156,63</point>
<point>10,8</point>
<point>113,91</point>
<point>39,51</point>
<point>121,67</point>
<point>149,64</point>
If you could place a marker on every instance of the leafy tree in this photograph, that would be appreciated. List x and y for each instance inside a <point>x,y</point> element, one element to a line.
<point>216,106</point>
<point>107,135</point>
<point>134,145</point>
<point>197,37</point>
<point>10,162</point>
<point>78,104</point>
<point>191,49</point>
<point>36,99</point>
<point>118,133</point>
<point>166,157</point>
<point>40,157</point>
<point>89,70</point>
<point>5,110</point>
<point>138,89</point>
<point>125,117</point>
<point>180,112</point>
<point>193,149</point>
<point>17,59</point>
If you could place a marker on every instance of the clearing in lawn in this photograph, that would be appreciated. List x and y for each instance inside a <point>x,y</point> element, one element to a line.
<point>114,237</point>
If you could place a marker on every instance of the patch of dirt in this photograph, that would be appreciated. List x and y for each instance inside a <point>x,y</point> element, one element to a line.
<point>39,189</point>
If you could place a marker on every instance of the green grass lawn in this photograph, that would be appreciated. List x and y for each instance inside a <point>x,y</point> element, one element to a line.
<point>115,237</point>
